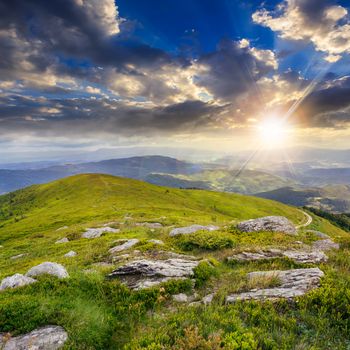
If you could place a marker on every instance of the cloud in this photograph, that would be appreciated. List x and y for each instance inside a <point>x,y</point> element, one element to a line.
<point>317,21</point>
<point>92,116</point>
<point>328,106</point>
<point>234,68</point>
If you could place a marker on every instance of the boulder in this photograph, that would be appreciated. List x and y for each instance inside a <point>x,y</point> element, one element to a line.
<point>299,256</point>
<point>48,268</point>
<point>97,232</point>
<point>62,240</point>
<point>254,256</point>
<point>192,229</point>
<point>45,338</point>
<point>70,254</point>
<point>268,223</point>
<point>144,273</point>
<point>16,280</point>
<point>126,245</point>
<point>306,257</point>
<point>325,244</point>
<point>294,283</point>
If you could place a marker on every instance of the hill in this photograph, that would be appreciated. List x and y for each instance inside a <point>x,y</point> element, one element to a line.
<point>332,198</point>
<point>43,223</point>
<point>134,167</point>
<point>246,182</point>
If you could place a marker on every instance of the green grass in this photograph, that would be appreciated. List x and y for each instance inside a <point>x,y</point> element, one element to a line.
<point>103,314</point>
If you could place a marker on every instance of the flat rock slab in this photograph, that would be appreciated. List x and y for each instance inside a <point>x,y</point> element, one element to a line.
<point>48,268</point>
<point>299,256</point>
<point>192,229</point>
<point>15,281</point>
<point>97,232</point>
<point>294,283</point>
<point>325,244</point>
<point>127,244</point>
<point>268,223</point>
<point>45,338</point>
<point>144,273</point>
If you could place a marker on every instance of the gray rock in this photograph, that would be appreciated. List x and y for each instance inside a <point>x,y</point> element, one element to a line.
<point>15,281</point>
<point>70,254</point>
<point>144,273</point>
<point>156,241</point>
<point>17,256</point>
<point>268,223</point>
<point>305,257</point>
<point>45,338</point>
<point>254,256</point>
<point>180,298</point>
<point>299,256</point>
<point>97,232</point>
<point>126,245</point>
<point>294,283</point>
<point>48,268</point>
<point>192,229</point>
<point>62,240</point>
<point>325,244</point>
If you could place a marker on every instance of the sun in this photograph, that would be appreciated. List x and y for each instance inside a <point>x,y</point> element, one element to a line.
<point>274,132</point>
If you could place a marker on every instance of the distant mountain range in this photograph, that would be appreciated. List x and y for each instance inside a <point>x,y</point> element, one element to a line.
<point>327,189</point>
<point>334,198</point>
<point>134,167</point>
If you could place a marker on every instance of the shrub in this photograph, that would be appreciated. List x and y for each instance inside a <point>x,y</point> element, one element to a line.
<point>206,240</point>
<point>203,272</point>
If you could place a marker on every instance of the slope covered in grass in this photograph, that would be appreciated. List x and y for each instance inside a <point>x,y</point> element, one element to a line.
<point>246,182</point>
<point>99,313</point>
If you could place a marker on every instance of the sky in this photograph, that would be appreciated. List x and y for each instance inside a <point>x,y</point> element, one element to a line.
<point>224,75</point>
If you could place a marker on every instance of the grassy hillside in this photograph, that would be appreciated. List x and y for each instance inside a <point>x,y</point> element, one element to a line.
<point>104,314</point>
<point>133,167</point>
<point>247,182</point>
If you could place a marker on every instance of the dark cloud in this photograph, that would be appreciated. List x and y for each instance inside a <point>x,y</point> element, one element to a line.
<point>55,116</point>
<point>329,106</point>
<point>233,70</point>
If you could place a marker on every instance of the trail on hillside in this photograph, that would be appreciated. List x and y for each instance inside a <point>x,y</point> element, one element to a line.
<point>308,220</point>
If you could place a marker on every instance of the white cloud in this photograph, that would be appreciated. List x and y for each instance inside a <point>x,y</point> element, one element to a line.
<point>327,31</point>
<point>104,13</point>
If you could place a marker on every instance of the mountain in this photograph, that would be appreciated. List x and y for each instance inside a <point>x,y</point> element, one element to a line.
<point>246,181</point>
<point>334,198</point>
<point>97,310</point>
<point>135,167</point>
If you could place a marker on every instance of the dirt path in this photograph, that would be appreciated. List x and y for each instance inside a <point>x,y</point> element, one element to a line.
<point>308,220</point>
